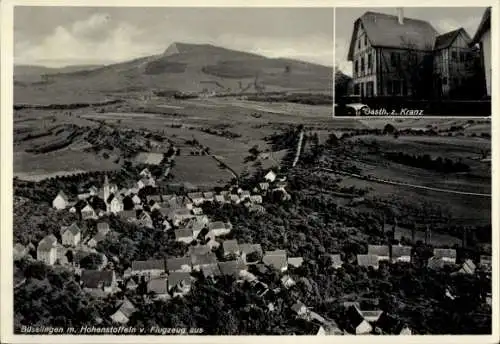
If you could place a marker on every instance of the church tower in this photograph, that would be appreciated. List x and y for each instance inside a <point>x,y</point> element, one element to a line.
<point>106,192</point>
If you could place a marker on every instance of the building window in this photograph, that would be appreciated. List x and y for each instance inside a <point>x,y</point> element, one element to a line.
<point>362,65</point>
<point>369,89</point>
<point>366,41</point>
<point>445,81</point>
<point>362,89</point>
<point>405,88</point>
<point>454,56</point>
<point>462,56</point>
<point>356,89</point>
<point>370,62</point>
<point>359,43</point>
<point>389,87</point>
<point>397,87</point>
<point>356,68</point>
<point>394,59</point>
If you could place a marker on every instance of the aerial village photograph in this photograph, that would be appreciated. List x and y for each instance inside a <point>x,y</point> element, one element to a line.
<point>414,61</point>
<point>179,179</point>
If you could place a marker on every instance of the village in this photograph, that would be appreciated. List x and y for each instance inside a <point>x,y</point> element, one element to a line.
<point>210,253</point>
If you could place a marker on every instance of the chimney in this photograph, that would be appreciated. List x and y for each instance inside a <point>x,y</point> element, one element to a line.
<point>400,15</point>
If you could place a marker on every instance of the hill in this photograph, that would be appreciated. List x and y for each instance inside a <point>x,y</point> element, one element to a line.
<point>33,73</point>
<point>185,68</point>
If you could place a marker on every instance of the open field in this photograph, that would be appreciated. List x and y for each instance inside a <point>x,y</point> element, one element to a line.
<point>199,170</point>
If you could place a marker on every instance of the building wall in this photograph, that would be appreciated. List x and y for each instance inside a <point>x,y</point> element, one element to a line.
<point>68,239</point>
<point>486,49</point>
<point>364,66</point>
<point>453,66</point>
<point>59,203</point>
<point>48,257</point>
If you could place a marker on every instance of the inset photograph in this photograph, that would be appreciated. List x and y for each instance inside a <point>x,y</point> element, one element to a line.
<point>413,61</point>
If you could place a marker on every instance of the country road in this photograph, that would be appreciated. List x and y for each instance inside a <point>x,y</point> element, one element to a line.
<point>406,184</point>
<point>299,147</point>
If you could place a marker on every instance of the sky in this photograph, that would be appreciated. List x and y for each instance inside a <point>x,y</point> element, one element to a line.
<point>442,19</point>
<point>61,36</point>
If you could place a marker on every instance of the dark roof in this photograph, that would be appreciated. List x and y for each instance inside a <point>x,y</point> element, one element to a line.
<point>367,260</point>
<point>230,246</point>
<point>232,267</point>
<point>158,286</point>
<point>152,264</point>
<point>183,233</point>
<point>73,228</point>
<point>445,40</point>
<point>177,263</point>
<point>400,251</point>
<point>378,250</point>
<point>93,278</point>
<point>199,249</point>
<point>484,26</point>
<point>354,318</point>
<point>175,278</point>
<point>384,30</point>
<point>208,258</point>
<point>210,270</point>
<point>445,253</point>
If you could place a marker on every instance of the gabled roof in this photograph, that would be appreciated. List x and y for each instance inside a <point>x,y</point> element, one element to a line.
<point>174,264</point>
<point>384,30</point>
<point>158,286</point>
<point>445,40</point>
<point>73,228</point>
<point>276,259</point>
<point>484,26</point>
<point>47,243</point>
<point>401,251</point>
<point>232,267</point>
<point>128,214</point>
<point>378,250</point>
<point>62,195</point>
<point>152,264</point>
<point>230,246</point>
<point>297,306</point>
<point>367,260</point>
<point>216,225</point>
<point>126,308</point>
<point>335,259</point>
<point>175,278</point>
<point>195,195</point>
<point>251,248</point>
<point>210,270</point>
<point>199,249</point>
<point>183,233</point>
<point>208,258</point>
<point>445,253</point>
<point>92,278</point>
<point>208,195</point>
<point>295,261</point>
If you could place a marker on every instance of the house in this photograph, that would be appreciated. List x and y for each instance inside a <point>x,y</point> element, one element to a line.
<point>145,173</point>
<point>47,250</point>
<point>448,256</point>
<point>233,198</point>
<point>181,264</point>
<point>200,260</point>
<point>220,199</point>
<point>136,199</point>
<point>145,220</point>
<point>93,190</point>
<point>212,243</point>
<point>371,316</point>
<point>88,212</point>
<point>103,228</point>
<point>381,251</point>
<point>196,197</point>
<point>435,263</point>
<point>270,176</point>
<point>251,253</point>
<point>208,196</point>
<point>389,52</point>
<point>368,260</point>
<point>295,261</point>
<point>100,283</point>
<point>276,259</point>
<point>218,228</point>
<point>128,215</point>
<point>468,267</point>
<point>19,251</point>
<point>232,268</point>
<point>231,248</point>
<point>180,215</point>
<point>211,271</point>
<point>299,308</point>
<point>197,211</point>
<point>159,287</point>
<point>356,322</point>
<point>336,261</point>
<point>244,195</point>
<point>184,235</point>
<point>92,242</point>
<point>144,182</point>
<point>256,199</point>
<point>61,201</point>
<point>131,284</point>
<point>264,186</point>
<point>401,254</point>
<point>482,37</point>
<point>485,262</point>
<point>247,276</point>
<point>179,283</point>
<point>197,224</point>
<point>148,268</point>
<point>114,203</point>
<point>151,199</point>
<point>287,281</point>
<point>123,313</point>
<point>256,208</point>
<point>71,235</point>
